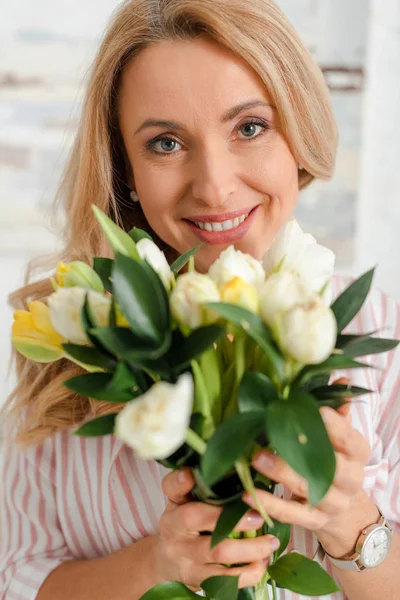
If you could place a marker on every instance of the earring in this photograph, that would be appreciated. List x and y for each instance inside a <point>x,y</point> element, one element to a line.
<point>134,196</point>
<point>300,167</point>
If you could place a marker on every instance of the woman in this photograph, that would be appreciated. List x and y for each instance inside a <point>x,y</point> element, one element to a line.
<point>203,119</point>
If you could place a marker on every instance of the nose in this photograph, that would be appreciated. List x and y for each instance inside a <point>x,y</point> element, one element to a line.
<point>214,179</point>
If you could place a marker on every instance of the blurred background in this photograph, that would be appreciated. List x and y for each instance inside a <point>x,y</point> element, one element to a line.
<point>46,48</point>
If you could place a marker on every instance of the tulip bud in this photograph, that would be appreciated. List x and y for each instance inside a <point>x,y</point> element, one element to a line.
<point>65,312</point>
<point>34,336</point>
<point>240,293</point>
<point>150,252</point>
<point>78,274</point>
<point>191,292</point>
<point>155,424</point>
<point>234,263</point>
<point>280,292</point>
<point>308,332</point>
<point>298,252</point>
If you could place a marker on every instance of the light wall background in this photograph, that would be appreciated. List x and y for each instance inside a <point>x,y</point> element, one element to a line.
<point>45,51</point>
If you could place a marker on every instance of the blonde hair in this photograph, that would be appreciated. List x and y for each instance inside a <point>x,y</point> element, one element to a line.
<point>255,30</point>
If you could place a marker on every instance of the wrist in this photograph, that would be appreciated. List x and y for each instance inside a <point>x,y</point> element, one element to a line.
<point>340,537</point>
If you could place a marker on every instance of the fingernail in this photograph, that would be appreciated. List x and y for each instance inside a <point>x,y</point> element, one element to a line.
<point>275,543</point>
<point>326,415</point>
<point>255,520</point>
<point>264,461</point>
<point>181,477</point>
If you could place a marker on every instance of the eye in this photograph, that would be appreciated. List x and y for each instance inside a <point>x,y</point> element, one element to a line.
<point>166,145</point>
<point>250,128</point>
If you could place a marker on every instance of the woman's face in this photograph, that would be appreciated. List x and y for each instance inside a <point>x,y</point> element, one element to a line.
<point>206,168</point>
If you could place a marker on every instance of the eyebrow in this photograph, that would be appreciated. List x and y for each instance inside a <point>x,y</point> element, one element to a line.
<point>227,116</point>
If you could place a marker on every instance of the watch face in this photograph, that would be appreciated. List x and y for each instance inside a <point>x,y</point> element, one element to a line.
<point>376,547</point>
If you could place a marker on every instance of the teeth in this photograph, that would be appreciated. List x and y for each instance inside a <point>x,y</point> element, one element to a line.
<point>224,226</point>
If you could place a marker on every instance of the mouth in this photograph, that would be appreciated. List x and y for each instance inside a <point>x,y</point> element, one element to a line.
<point>221,229</point>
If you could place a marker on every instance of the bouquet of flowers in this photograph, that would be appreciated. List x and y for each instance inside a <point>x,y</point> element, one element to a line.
<point>206,369</point>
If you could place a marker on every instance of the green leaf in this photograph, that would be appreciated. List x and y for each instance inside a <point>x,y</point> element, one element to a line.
<point>347,305</point>
<point>202,403</point>
<point>343,339</point>
<point>138,234</point>
<point>142,297</point>
<point>170,590</point>
<point>103,386</point>
<point>221,453</point>
<point>302,575</point>
<point>101,426</point>
<point>315,382</point>
<point>333,363</point>
<point>282,531</point>
<point>366,347</point>
<point>221,588</point>
<point>339,390</point>
<point>181,261</point>
<point>90,356</point>
<point>185,349</point>
<point>296,430</point>
<point>103,268</point>
<point>210,365</point>
<point>119,240</point>
<point>125,343</point>
<point>229,518</point>
<point>247,594</point>
<point>254,327</point>
<point>255,391</point>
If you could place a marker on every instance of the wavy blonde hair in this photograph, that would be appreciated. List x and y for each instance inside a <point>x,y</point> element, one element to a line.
<point>96,172</point>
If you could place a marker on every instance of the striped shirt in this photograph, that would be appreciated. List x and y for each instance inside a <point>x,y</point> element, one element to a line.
<point>81,498</point>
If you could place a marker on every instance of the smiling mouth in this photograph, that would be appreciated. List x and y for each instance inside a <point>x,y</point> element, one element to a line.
<point>218,226</point>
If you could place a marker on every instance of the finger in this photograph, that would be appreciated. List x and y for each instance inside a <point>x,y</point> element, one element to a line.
<point>251,521</point>
<point>344,410</point>
<point>191,518</point>
<point>275,468</point>
<point>334,502</point>
<point>344,437</point>
<point>249,575</point>
<point>177,485</point>
<point>289,511</point>
<point>231,551</point>
<point>349,475</point>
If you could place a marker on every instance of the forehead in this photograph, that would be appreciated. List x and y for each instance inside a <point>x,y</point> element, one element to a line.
<point>187,76</point>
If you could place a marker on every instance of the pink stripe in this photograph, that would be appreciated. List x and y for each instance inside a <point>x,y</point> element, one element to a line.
<point>131,500</point>
<point>143,492</point>
<point>83,449</point>
<point>100,473</point>
<point>64,485</point>
<point>80,503</point>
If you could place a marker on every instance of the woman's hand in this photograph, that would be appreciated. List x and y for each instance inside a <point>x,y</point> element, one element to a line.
<point>352,453</point>
<point>184,555</point>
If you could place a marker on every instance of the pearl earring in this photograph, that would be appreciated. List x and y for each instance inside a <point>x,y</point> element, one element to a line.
<point>134,196</point>
<point>300,167</point>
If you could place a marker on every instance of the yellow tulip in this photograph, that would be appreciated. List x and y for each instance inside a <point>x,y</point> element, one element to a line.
<point>78,274</point>
<point>34,336</point>
<point>239,292</point>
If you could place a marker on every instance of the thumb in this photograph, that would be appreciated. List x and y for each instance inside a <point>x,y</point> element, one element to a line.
<point>178,485</point>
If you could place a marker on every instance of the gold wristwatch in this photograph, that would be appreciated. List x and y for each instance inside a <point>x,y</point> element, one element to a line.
<point>372,548</point>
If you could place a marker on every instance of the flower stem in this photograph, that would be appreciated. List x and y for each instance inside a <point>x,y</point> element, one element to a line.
<point>243,470</point>
<point>195,441</point>
<point>273,583</point>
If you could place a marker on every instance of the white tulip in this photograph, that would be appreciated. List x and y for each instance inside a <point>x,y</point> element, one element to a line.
<point>191,292</point>
<point>234,263</point>
<point>281,292</point>
<point>149,251</point>
<point>308,332</point>
<point>65,312</point>
<point>298,252</point>
<point>155,424</point>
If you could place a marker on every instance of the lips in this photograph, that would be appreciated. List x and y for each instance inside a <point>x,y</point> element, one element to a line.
<point>227,236</point>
